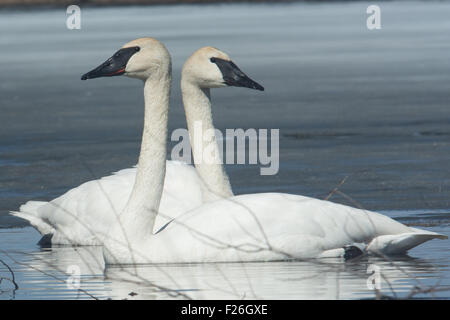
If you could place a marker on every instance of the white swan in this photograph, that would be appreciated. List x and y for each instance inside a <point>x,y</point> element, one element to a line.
<point>253,227</point>
<point>79,215</point>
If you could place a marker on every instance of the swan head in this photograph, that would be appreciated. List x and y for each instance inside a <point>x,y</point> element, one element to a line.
<point>209,67</point>
<point>141,58</point>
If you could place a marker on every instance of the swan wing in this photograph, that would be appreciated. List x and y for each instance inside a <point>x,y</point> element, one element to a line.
<point>82,213</point>
<point>275,226</point>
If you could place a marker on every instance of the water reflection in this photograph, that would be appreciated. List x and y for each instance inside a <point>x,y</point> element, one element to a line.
<point>42,274</point>
<point>325,279</point>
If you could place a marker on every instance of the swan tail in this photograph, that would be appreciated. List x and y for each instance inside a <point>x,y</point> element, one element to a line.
<point>401,243</point>
<point>29,211</point>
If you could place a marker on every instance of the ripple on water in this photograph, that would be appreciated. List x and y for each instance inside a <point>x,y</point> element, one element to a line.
<point>11,163</point>
<point>421,217</point>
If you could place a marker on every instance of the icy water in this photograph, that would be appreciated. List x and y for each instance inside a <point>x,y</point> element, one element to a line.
<point>372,106</point>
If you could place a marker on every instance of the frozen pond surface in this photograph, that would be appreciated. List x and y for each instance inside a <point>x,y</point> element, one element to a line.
<point>370,105</point>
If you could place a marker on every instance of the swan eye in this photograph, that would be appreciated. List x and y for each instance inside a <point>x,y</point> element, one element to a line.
<point>137,49</point>
<point>213,60</point>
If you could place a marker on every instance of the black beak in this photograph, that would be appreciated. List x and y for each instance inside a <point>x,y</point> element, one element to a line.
<point>233,76</point>
<point>114,66</point>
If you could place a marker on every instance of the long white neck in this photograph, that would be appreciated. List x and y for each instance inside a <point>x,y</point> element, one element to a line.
<point>197,106</point>
<point>139,215</point>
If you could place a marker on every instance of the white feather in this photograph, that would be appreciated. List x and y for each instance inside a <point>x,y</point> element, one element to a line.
<point>270,226</point>
<point>84,212</point>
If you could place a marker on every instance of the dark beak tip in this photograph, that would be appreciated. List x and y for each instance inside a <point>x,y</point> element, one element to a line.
<point>257,86</point>
<point>86,76</point>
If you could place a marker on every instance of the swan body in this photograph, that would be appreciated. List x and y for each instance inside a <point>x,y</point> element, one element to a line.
<point>253,227</point>
<point>268,227</point>
<point>79,215</point>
